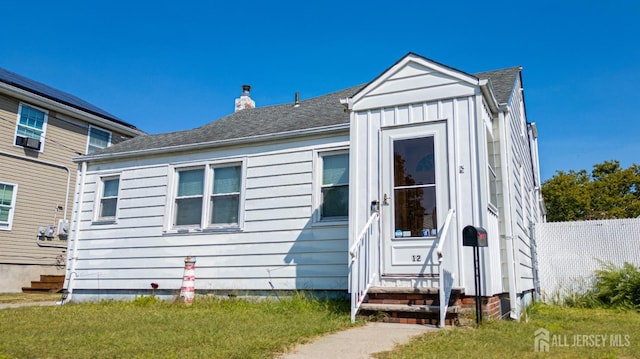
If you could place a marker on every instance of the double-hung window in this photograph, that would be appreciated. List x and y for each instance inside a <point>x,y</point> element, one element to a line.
<point>208,196</point>
<point>8,193</point>
<point>108,203</point>
<point>492,161</point>
<point>98,139</point>
<point>334,187</point>
<point>188,207</point>
<point>225,196</point>
<point>31,127</point>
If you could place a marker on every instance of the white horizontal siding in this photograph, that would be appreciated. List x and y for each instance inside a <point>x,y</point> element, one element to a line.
<point>277,213</point>
<point>96,281</point>
<point>278,191</point>
<point>291,248</point>
<point>249,260</point>
<point>278,239</point>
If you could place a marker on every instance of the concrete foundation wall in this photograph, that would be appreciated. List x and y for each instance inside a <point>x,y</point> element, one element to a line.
<point>14,277</point>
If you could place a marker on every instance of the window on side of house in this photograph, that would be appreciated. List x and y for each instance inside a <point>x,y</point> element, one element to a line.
<point>98,139</point>
<point>492,160</point>
<point>188,204</point>
<point>334,186</point>
<point>8,192</point>
<point>31,126</point>
<point>108,203</point>
<point>208,197</point>
<point>225,196</point>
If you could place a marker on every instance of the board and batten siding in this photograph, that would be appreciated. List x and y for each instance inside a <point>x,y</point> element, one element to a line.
<point>280,246</point>
<point>459,113</point>
<point>492,255</point>
<point>522,177</point>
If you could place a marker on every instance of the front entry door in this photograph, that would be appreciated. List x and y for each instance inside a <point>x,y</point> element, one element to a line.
<point>415,197</point>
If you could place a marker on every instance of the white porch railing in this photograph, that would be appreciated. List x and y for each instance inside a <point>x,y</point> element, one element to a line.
<point>365,262</point>
<point>446,269</point>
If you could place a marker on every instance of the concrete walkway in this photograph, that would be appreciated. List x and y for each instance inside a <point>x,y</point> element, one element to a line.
<point>358,342</point>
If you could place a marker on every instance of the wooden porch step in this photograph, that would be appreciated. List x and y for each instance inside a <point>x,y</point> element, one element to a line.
<point>41,290</point>
<point>410,305</point>
<point>48,283</point>
<point>375,307</point>
<point>44,285</point>
<point>52,278</point>
<point>411,290</point>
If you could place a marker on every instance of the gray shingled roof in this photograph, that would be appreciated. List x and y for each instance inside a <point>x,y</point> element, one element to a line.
<point>317,112</point>
<point>43,90</point>
<point>502,82</point>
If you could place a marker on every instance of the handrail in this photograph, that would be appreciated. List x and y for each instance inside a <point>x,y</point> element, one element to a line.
<point>443,234</point>
<point>365,262</point>
<point>444,290</point>
<point>361,235</point>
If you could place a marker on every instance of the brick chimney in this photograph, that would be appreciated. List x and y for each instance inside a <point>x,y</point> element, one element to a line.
<point>245,101</point>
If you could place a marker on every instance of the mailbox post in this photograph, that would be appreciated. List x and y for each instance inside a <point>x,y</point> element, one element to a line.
<point>476,237</point>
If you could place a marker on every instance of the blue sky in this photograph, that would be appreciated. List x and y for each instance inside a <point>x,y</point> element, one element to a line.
<point>168,66</point>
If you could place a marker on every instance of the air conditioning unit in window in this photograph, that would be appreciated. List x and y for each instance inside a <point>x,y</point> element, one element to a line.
<point>28,142</point>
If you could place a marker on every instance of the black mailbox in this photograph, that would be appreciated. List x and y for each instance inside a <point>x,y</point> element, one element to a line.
<point>474,236</point>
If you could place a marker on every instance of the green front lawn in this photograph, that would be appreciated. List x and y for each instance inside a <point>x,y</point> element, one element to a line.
<point>148,328</point>
<point>573,333</point>
<point>236,328</point>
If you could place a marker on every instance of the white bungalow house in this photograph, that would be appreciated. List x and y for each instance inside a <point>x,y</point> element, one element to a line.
<point>363,191</point>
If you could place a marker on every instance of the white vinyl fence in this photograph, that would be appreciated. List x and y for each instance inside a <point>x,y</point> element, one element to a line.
<point>569,252</point>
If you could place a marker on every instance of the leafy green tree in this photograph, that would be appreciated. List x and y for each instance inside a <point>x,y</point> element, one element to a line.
<point>608,192</point>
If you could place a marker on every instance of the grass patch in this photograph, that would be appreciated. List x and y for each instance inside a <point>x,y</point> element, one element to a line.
<point>11,298</point>
<point>508,339</point>
<point>610,287</point>
<point>210,328</point>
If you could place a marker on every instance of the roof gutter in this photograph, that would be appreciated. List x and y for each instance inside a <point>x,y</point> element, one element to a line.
<point>43,101</point>
<point>487,92</point>
<point>214,144</point>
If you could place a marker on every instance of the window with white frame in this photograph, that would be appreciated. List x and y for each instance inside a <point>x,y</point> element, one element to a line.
<point>334,186</point>
<point>31,126</point>
<point>108,202</point>
<point>8,192</point>
<point>492,161</point>
<point>225,197</point>
<point>188,205</point>
<point>208,196</point>
<point>98,139</point>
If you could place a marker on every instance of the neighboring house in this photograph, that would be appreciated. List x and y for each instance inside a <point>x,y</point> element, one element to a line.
<point>42,129</point>
<point>352,191</point>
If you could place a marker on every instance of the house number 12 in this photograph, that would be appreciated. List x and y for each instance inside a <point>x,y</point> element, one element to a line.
<point>416,258</point>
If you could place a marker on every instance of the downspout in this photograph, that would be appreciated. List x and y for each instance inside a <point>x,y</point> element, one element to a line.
<point>508,225</point>
<point>66,195</point>
<point>72,257</point>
